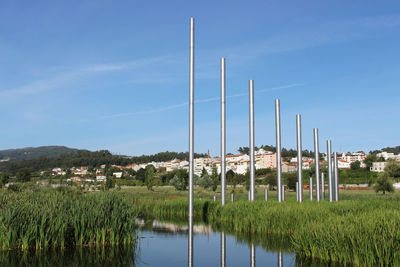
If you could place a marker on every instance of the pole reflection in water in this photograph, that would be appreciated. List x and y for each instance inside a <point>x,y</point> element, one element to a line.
<point>280,259</point>
<point>223,250</point>
<point>252,256</point>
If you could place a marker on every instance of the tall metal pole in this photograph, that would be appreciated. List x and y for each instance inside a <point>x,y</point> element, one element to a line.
<point>280,259</point>
<point>322,186</point>
<point>297,191</point>
<point>251,111</point>
<point>266,194</point>
<point>278,149</point>
<point>316,159</point>
<point>311,188</point>
<point>299,157</point>
<point>329,157</point>
<point>335,159</point>
<point>223,133</point>
<point>191,142</point>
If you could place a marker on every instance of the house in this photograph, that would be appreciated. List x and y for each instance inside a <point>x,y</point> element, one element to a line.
<point>343,164</point>
<point>378,166</point>
<point>288,167</point>
<point>266,160</point>
<point>353,157</point>
<point>117,174</point>
<point>75,179</point>
<point>101,178</point>
<point>58,171</point>
<point>388,156</point>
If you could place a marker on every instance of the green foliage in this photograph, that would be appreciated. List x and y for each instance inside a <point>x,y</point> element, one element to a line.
<point>24,175</point>
<point>360,233</point>
<point>384,183</point>
<point>359,176</point>
<point>60,219</point>
<point>110,183</point>
<point>247,180</point>
<point>369,160</point>
<point>150,177</point>
<point>87,158</point>
<point>34,152</point>
<point>237,179</point>
<point>229,176</point>
<point>180,179</point>
<point>15,187</point>
<point>355,165</point>
<point>141,175</point>
<point>214,179</point>
<point>204,181</point>
<point>291,180</point>
<point>270,179</point>
<point>4,178</point>
<point>263,172</point>
<point>393,169</point>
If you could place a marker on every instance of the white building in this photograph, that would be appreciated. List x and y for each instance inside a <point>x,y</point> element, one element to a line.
<point>101,178</point>
<point>378,166</point>
<point>388,156</point>
<point>343,164</point>
<point>117,174</point>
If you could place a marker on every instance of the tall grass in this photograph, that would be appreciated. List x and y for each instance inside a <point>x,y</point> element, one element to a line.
<point>350,232</point>
<point>50,218</point>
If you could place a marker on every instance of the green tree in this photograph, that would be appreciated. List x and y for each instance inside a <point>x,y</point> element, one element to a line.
<point>110,183</point>
<point>24,175</point>
<point>178,183</point>
<point>150,177</point>
<point>205,181</point>
<point>291,180</point>
<point>229,176</point>
<point>214,178</point>
<point>141,175</point>
<point>237,179</point>
<point>270,179</point>
<point>356,165</point>
<point>393,169</point>
<point>384,183</point>
<point>369,160</point>
<point>247,180</point>
<point>4,178</point>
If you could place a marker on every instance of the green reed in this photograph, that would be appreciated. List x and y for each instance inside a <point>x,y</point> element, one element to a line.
<point>49,218</point>
<point>351,232</point>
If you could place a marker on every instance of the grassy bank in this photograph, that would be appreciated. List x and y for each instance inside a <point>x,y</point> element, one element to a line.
<point>58,219</point>
<point>361,232</point>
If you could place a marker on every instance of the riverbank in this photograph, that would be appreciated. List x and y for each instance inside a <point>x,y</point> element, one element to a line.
<point>360,232</point>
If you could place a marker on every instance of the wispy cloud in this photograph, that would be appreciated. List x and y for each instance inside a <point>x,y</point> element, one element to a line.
<point>185,104</point>
<point>318,34</point>
<point>61,79</point>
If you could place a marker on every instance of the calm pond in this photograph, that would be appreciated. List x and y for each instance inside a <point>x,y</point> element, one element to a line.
<point>166,244</point>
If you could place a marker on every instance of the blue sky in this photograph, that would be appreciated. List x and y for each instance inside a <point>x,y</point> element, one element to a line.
<point>114,74</point>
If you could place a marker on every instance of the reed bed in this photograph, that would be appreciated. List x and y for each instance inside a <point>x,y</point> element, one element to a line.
<point>54,219</point>
<point>351,232</point>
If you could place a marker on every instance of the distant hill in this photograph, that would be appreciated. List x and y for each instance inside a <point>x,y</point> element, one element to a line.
<point>395,150</point>
<point>12,155</point>
<point>42,158</point>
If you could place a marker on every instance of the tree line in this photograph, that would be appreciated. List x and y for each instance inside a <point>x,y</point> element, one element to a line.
<point>90,159</point>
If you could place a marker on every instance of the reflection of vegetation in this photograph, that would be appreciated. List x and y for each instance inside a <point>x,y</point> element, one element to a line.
<point>64,218</point>
<point>104,256</point>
